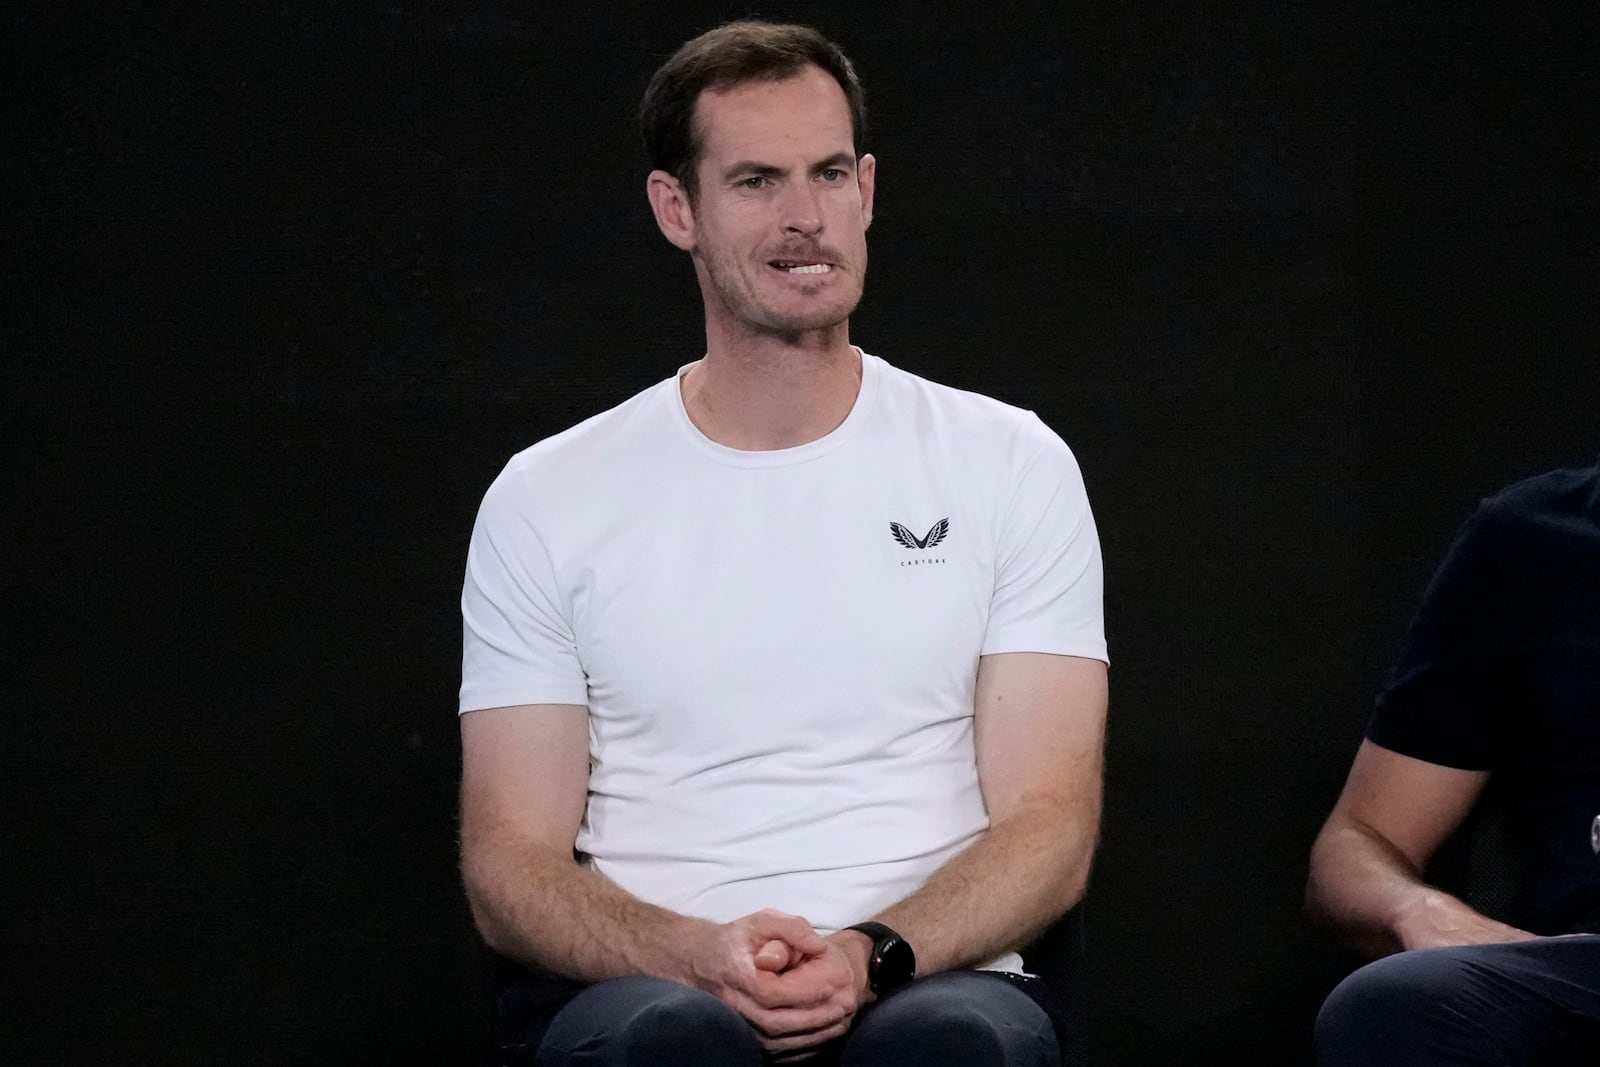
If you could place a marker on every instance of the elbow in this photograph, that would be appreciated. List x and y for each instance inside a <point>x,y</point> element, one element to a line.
<point>483,903</point>
<point>507,885</point>
<point>1071,883</point>
<point>1337,896</point>
<point>491,931</point>
<point>1315,900</point>
<point>1074,830</point>
<point>1316,907</point>
<point>1075,886</point>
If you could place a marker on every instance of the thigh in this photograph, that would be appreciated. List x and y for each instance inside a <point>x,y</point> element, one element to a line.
<point>1526,1002</point>
<point>961,1018</point>
<point>630,1021</point>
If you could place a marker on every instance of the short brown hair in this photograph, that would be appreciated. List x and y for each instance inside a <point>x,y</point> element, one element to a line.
<point>743,51</point>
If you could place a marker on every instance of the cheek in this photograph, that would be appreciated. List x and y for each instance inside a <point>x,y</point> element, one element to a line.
<point>735,239</point>
<point>852,219</point>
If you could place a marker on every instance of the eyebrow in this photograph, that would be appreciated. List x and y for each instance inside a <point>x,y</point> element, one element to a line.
<point>749,167</point>
<point>839,160</point>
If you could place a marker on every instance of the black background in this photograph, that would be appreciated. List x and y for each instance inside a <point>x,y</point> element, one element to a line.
<point>286,284</point>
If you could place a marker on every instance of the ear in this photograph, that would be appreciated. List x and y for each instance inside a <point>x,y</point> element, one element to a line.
<point>867,179</point>
<point>674,214</point>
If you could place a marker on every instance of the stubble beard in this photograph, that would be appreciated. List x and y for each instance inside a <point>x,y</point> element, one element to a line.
<point>740,296</point>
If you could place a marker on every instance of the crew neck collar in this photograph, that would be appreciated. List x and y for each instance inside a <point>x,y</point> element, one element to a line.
<point>866,395</point>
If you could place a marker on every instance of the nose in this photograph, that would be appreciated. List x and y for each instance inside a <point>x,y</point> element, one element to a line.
<point>802,210</point>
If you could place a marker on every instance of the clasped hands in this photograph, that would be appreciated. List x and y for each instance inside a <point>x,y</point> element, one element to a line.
<point>798,988</point>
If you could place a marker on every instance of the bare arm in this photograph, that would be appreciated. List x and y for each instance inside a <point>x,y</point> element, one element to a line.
<point>1040,735</point>
<point>1367,864</point>
<point>525,774</point>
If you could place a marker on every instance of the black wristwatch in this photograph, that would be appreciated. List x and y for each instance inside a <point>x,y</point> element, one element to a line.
<point>892,963</point>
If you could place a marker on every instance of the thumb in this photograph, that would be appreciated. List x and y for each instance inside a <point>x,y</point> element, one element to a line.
<point>791,930</point>
<point>774,956</point>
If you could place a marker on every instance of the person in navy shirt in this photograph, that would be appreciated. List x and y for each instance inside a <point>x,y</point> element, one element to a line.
<point>1498,677</point>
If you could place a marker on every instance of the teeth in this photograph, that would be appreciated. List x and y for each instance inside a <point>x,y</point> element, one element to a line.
<point>815,268</point>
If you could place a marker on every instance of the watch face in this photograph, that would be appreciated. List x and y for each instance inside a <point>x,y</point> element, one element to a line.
<point>894,964</point>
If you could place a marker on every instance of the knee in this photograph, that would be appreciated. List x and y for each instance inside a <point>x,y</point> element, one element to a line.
<point>676,1018</point>
<point>1386,988</point>
<point>638,1021</point>
<point>967,1023</point>
<point>1389,1003</point>
<point>965,1032</point>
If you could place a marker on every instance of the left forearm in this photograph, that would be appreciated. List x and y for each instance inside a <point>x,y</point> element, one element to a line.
<point>1039,743</point>
<point>1002,891</point>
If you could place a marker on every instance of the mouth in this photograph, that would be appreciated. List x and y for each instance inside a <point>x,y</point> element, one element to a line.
<point>791,266</point>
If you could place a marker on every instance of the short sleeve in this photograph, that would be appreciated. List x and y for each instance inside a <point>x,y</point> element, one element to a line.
<point>1048,584</point>
<point>517,645</point>
<point>1445,698</point>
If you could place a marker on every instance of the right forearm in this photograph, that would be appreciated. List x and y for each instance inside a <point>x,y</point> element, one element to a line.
<point>1360,886</point>
<point>1375,898</point>
<point>536,905</point>
<point>548,910</point>
<point>1366,878</point>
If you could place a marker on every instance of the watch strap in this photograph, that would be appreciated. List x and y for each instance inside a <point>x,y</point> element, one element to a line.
<point>893,962</point>
<point>876,931</point>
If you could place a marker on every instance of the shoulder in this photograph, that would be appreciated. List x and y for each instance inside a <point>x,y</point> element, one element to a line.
<point>607,438</point>
<point>601,436</point>
<point>1553,495</point>
<point>1527,518</point>
<point>974,419</point>
<point>906,389</point>
<point>598,457</point>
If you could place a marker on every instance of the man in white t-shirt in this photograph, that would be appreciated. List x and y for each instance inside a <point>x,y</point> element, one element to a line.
<point>784,683</point>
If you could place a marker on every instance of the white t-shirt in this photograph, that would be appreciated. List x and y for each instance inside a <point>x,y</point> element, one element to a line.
<point>778,649</point>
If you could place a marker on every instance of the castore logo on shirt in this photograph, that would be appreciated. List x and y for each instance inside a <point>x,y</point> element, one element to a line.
<point>907,539</point>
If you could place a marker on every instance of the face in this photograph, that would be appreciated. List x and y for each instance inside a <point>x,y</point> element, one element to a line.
<point>778,231</point>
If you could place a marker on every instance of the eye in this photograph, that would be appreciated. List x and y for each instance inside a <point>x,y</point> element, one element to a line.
<point>832,174</point>
<point>755,181</point>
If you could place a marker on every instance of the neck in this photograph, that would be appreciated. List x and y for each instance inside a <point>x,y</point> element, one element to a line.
<point>760,393</point>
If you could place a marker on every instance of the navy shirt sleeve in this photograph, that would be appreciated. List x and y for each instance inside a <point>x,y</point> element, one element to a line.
<point>1447,696</point>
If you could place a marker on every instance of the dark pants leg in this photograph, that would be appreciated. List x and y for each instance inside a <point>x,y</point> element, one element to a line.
<point>959,1018</point>
<point>647,1022</point>
<point>968,1019</point>
<point>1528,1002</point>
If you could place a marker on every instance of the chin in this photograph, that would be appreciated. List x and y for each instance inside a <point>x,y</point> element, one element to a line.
<point>790,326</point>
<point>811,318</point>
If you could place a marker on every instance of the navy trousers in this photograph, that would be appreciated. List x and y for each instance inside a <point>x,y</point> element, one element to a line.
<point>965,1018</point>
<point>1525,1002</point>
